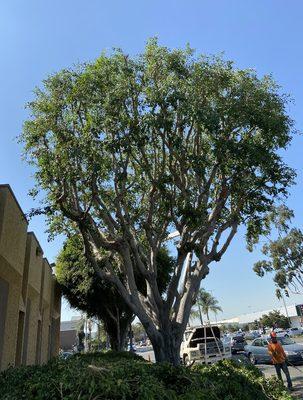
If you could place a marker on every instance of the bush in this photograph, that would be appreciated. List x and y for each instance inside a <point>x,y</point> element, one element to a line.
<point>125,376</point>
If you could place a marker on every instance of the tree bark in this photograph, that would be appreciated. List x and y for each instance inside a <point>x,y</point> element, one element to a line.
<point>200,314</point>
<point>118,344</point>
<point>167,349</point>
<point>167,341</point>
<point>117,332</point>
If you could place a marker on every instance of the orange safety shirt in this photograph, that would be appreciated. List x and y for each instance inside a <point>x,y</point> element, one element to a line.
<point>277,353</point>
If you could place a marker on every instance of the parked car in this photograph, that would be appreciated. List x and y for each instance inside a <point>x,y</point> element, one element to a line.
<point>294,331</point>
<point>281,333</point>
<point>203,345</point>
<point>238,343</point>
<point>65,355</point>
<point>252,335</point>
<point>257,351</point>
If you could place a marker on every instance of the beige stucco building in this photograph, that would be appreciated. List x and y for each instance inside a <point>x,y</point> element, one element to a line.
<point>30,299</point>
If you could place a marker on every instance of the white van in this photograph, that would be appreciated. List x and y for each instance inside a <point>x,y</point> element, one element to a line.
<point>203,345</point>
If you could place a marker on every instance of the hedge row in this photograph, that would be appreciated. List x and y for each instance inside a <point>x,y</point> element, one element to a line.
<point>123,376</point>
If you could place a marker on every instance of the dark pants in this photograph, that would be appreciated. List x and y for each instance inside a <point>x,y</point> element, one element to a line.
<point>284,368</point>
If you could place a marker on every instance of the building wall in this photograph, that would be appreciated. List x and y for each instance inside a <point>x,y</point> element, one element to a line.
<point>46,312</point>
<point>290,312</point>
<point>34,262</point>
<point>12,281</point>
<point>30,299</point>
<point>13,229</point>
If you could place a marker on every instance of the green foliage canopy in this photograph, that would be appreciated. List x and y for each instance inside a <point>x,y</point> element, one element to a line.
<point>285,260</point>
<point>274,318</point>
<point>284,255</point>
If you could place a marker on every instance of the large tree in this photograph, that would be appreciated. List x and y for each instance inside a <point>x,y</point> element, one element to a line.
<point>132,149</point>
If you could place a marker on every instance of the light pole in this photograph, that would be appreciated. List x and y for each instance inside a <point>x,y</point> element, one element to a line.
<point>286,310</point>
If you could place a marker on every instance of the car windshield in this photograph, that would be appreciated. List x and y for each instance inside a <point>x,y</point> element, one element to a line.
<point>286,340</point>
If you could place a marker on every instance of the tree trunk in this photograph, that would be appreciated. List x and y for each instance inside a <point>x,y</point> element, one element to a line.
<point>165,334</point>
<point>207,314</point>
<point>116,326</point>
<point>115,344</point>
<point>118,343</point>
<point>117,331</point>
<point>200,314</point>
<point>166,342</point>
<point>167,349</point>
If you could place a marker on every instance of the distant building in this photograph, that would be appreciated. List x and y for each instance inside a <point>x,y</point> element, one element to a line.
<point>76,318</point>
<point>30,299</point>
<point>69,334</point>
<point>294,313</point>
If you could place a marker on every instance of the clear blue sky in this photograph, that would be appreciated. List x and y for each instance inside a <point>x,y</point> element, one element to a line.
<point>41,37</point>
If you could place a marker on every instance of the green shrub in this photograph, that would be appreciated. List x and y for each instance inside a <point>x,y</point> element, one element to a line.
<point>125,376</point>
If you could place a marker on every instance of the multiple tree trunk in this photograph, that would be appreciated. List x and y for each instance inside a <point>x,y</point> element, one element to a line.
<point>117,328</point>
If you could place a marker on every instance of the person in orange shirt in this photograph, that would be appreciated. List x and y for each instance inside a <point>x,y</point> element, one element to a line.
<point>278,357</point>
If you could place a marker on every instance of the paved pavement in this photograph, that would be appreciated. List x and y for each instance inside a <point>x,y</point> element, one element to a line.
<point>296,374</point>
<point>147,354</point>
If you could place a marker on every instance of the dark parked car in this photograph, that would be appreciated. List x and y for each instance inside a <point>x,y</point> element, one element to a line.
<point>237,344</point>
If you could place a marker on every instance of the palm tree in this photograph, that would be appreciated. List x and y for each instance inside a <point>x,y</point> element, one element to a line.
<point>194,314</point>
<point>206,303</point>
